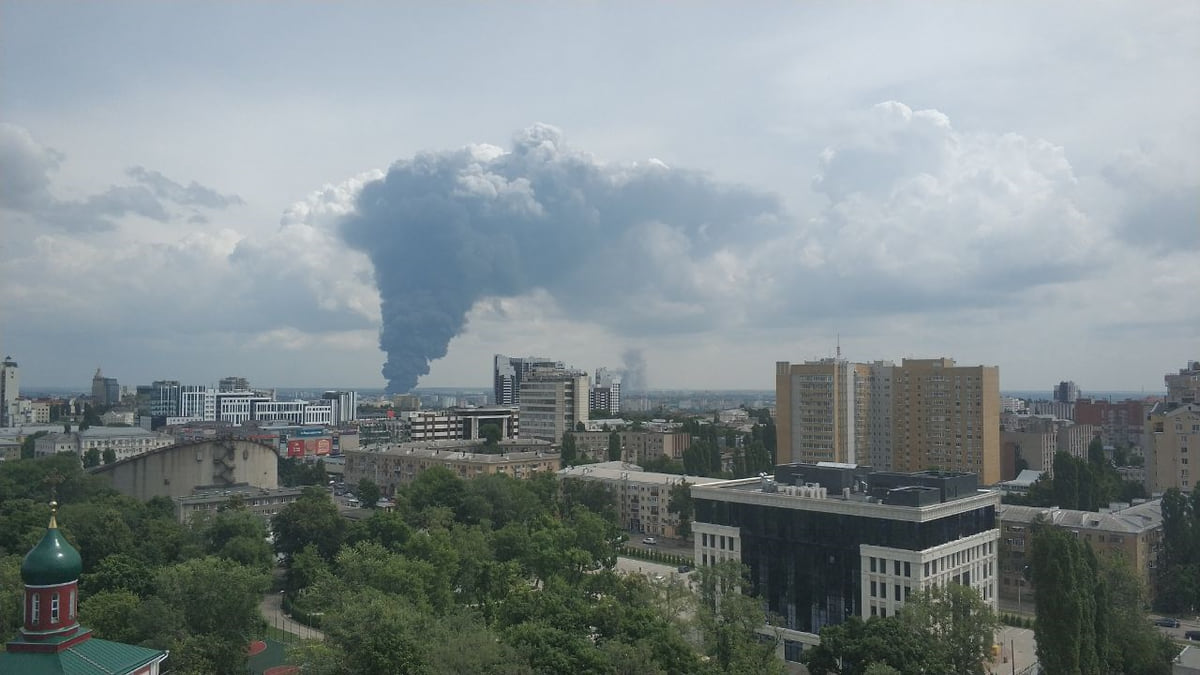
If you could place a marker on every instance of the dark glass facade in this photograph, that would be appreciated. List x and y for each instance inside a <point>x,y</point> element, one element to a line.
<point>805,564</point>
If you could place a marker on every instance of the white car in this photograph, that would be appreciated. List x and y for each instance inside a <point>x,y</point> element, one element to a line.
<point>650,540</point>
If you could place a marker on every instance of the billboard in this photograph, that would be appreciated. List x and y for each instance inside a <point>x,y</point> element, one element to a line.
<point>323,446</point>
<point>310,432</point>
<point>295,448</point>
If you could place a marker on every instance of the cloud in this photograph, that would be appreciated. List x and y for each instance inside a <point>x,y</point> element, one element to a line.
<point>27,166</point>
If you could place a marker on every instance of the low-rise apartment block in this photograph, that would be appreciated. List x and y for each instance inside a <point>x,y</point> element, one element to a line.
<point>125,442</point>
<point>393,465</point>
<point>637,447</point>
<point>1133,533</point>
<point>641,496</point>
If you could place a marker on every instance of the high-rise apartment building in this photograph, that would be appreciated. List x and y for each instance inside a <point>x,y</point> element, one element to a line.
<point>10,390</point>
<point>822,410</point>
<point>606,392</point>
<point>922,414</point>
<point>233,383</point>
<point>1184,387</point>
<point>105,390</point>
<point>553,402</point>
<point>508,372</point>
<point>946,417</point>
<point>1066,392</point>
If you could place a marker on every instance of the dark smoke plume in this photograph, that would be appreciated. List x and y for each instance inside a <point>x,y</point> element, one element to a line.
<point>625,245</point>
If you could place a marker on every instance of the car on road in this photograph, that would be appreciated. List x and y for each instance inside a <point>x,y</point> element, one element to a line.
<point>1167,622</point>
<point>651,541</point>
<point>1192,635</point>
<point>684,569</point>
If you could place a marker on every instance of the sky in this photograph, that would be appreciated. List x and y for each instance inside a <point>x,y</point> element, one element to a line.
<point>301,193</point>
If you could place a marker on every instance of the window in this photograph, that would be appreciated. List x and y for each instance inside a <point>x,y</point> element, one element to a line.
<point>71,607</point>
<point>722,542</point>
<point>873,589</point>
<point>54,608</point>
<point>872,564</point>
<point>36,609</point>
<point>883,591</point>
<point>896,568</point>
<point>907,569</point>
<point>896,594</point>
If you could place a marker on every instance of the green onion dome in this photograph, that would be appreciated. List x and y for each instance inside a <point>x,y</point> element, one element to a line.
<point>53,561</point>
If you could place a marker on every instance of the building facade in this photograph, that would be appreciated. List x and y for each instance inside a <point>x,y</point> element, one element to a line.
<point>1184,387</point>
<point>824,542</point>
<point>106,391</point>
<point>508,372</point>
<point>822,411</point>
<point>177,470</point>
<point>394,465</point>
<point>1133,533</point>
<point>262,502</point>
<point>553,402</point>
<point>640,497</point>
<point>637,447</point>
<point>10,391</point>
<point>1172,433</point>
<point>124,442</point>
<point>1119,423</point>
<point>1066,392</point>
<point>606,391</point>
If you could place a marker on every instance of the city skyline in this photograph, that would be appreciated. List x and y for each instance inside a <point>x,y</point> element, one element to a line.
<point>706,191</point>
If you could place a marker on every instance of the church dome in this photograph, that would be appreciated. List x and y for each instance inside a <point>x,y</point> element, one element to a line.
<point>53,561</point>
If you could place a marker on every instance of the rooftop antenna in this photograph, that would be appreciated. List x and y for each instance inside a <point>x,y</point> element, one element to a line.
<point>839,346</point>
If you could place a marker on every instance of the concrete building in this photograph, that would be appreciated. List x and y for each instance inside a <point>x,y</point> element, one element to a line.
<point>1056,409</point>
<point>606,392</point>
<point>345,405</point>
<point>641,497</point>
<point>946,417</point>
<point>822,411</point>
<point>553,401</point>
<point>177,470</point>
<point>1133,533</point>
<point>125,442</point>
<point>10,391</point>
<point>1119,423</point>
<point>233,383</point>
<point>1066,392</point>
<point>508,373</point>
<point>263,502</point>
<point>1184,387</point>
<point>106,391</point>
<point>1172,431</point>
<point>879,415</point>
<point>459,423</point>
<point>824,542</point>
<point>391,466</point>
<point>637,447</point>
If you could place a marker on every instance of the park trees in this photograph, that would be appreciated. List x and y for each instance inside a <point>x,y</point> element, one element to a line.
<point>311,519</point>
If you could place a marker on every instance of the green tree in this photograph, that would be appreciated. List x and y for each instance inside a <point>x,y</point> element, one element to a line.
<point>91,458</point>
<point>368,493</point>
<point>112,615</point>
<point>614,447</point>
<point>728,621</point>
<point>120,572</point>
<point>959,621</point>
<point>1095,452</point>
<point>110,456</point>
<point>569,452</point>
<point>311,519</point>
<point>491,435</point>
<point>1065,603</point>
<point>679,502</point>
<point>29,441</point>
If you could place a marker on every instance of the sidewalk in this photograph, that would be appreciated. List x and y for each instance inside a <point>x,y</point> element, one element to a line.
<point>271,608</point>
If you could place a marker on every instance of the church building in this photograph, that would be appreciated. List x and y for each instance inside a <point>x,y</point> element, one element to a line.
<point>51,639</point>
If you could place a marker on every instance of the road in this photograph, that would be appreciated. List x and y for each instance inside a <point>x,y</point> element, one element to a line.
<point>1185,624</point>
<point>664,545</point>
<point>271,608</point>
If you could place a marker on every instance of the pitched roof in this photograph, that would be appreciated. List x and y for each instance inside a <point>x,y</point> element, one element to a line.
<point>90,657</point>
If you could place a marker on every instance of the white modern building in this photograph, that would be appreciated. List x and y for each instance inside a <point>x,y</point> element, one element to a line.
<point>553,402</point>
<point>125,442</point>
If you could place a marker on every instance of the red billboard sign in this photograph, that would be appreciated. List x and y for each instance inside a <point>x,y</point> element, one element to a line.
<point>295,448</point>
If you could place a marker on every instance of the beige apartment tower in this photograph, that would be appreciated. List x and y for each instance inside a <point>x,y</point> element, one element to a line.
<point>922,414</point>
<point>946,417</point>
<point>821,411</point>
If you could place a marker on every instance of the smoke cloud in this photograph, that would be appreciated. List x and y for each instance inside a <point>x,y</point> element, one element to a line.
<point>633,247</point>
<point>633,372</point>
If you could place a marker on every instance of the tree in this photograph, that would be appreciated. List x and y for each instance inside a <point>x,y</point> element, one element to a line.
<point>491,435</point>
<point>110,455</point>
<point>1065,603</point>
<point>91,458</point>
<point>959,621</point>
<point>28,444</point>
<point>368,493</point>
<point>1095,452</point>
<point>728,621</point>
<point>112,614</point>
<point>679,502</point>
<point>614,447</point>
<point>311,519</point>
<point>569,454</point>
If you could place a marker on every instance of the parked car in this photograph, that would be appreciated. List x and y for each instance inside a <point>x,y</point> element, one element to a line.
<point>684,569</point>
<point>650,540</point>
<point>1192,635</point>
<point>1167,622</point>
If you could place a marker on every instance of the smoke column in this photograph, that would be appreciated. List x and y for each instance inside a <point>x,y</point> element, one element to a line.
<point>446,229</point>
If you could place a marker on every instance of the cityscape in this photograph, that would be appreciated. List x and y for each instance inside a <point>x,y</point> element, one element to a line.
<point>647,339</point>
